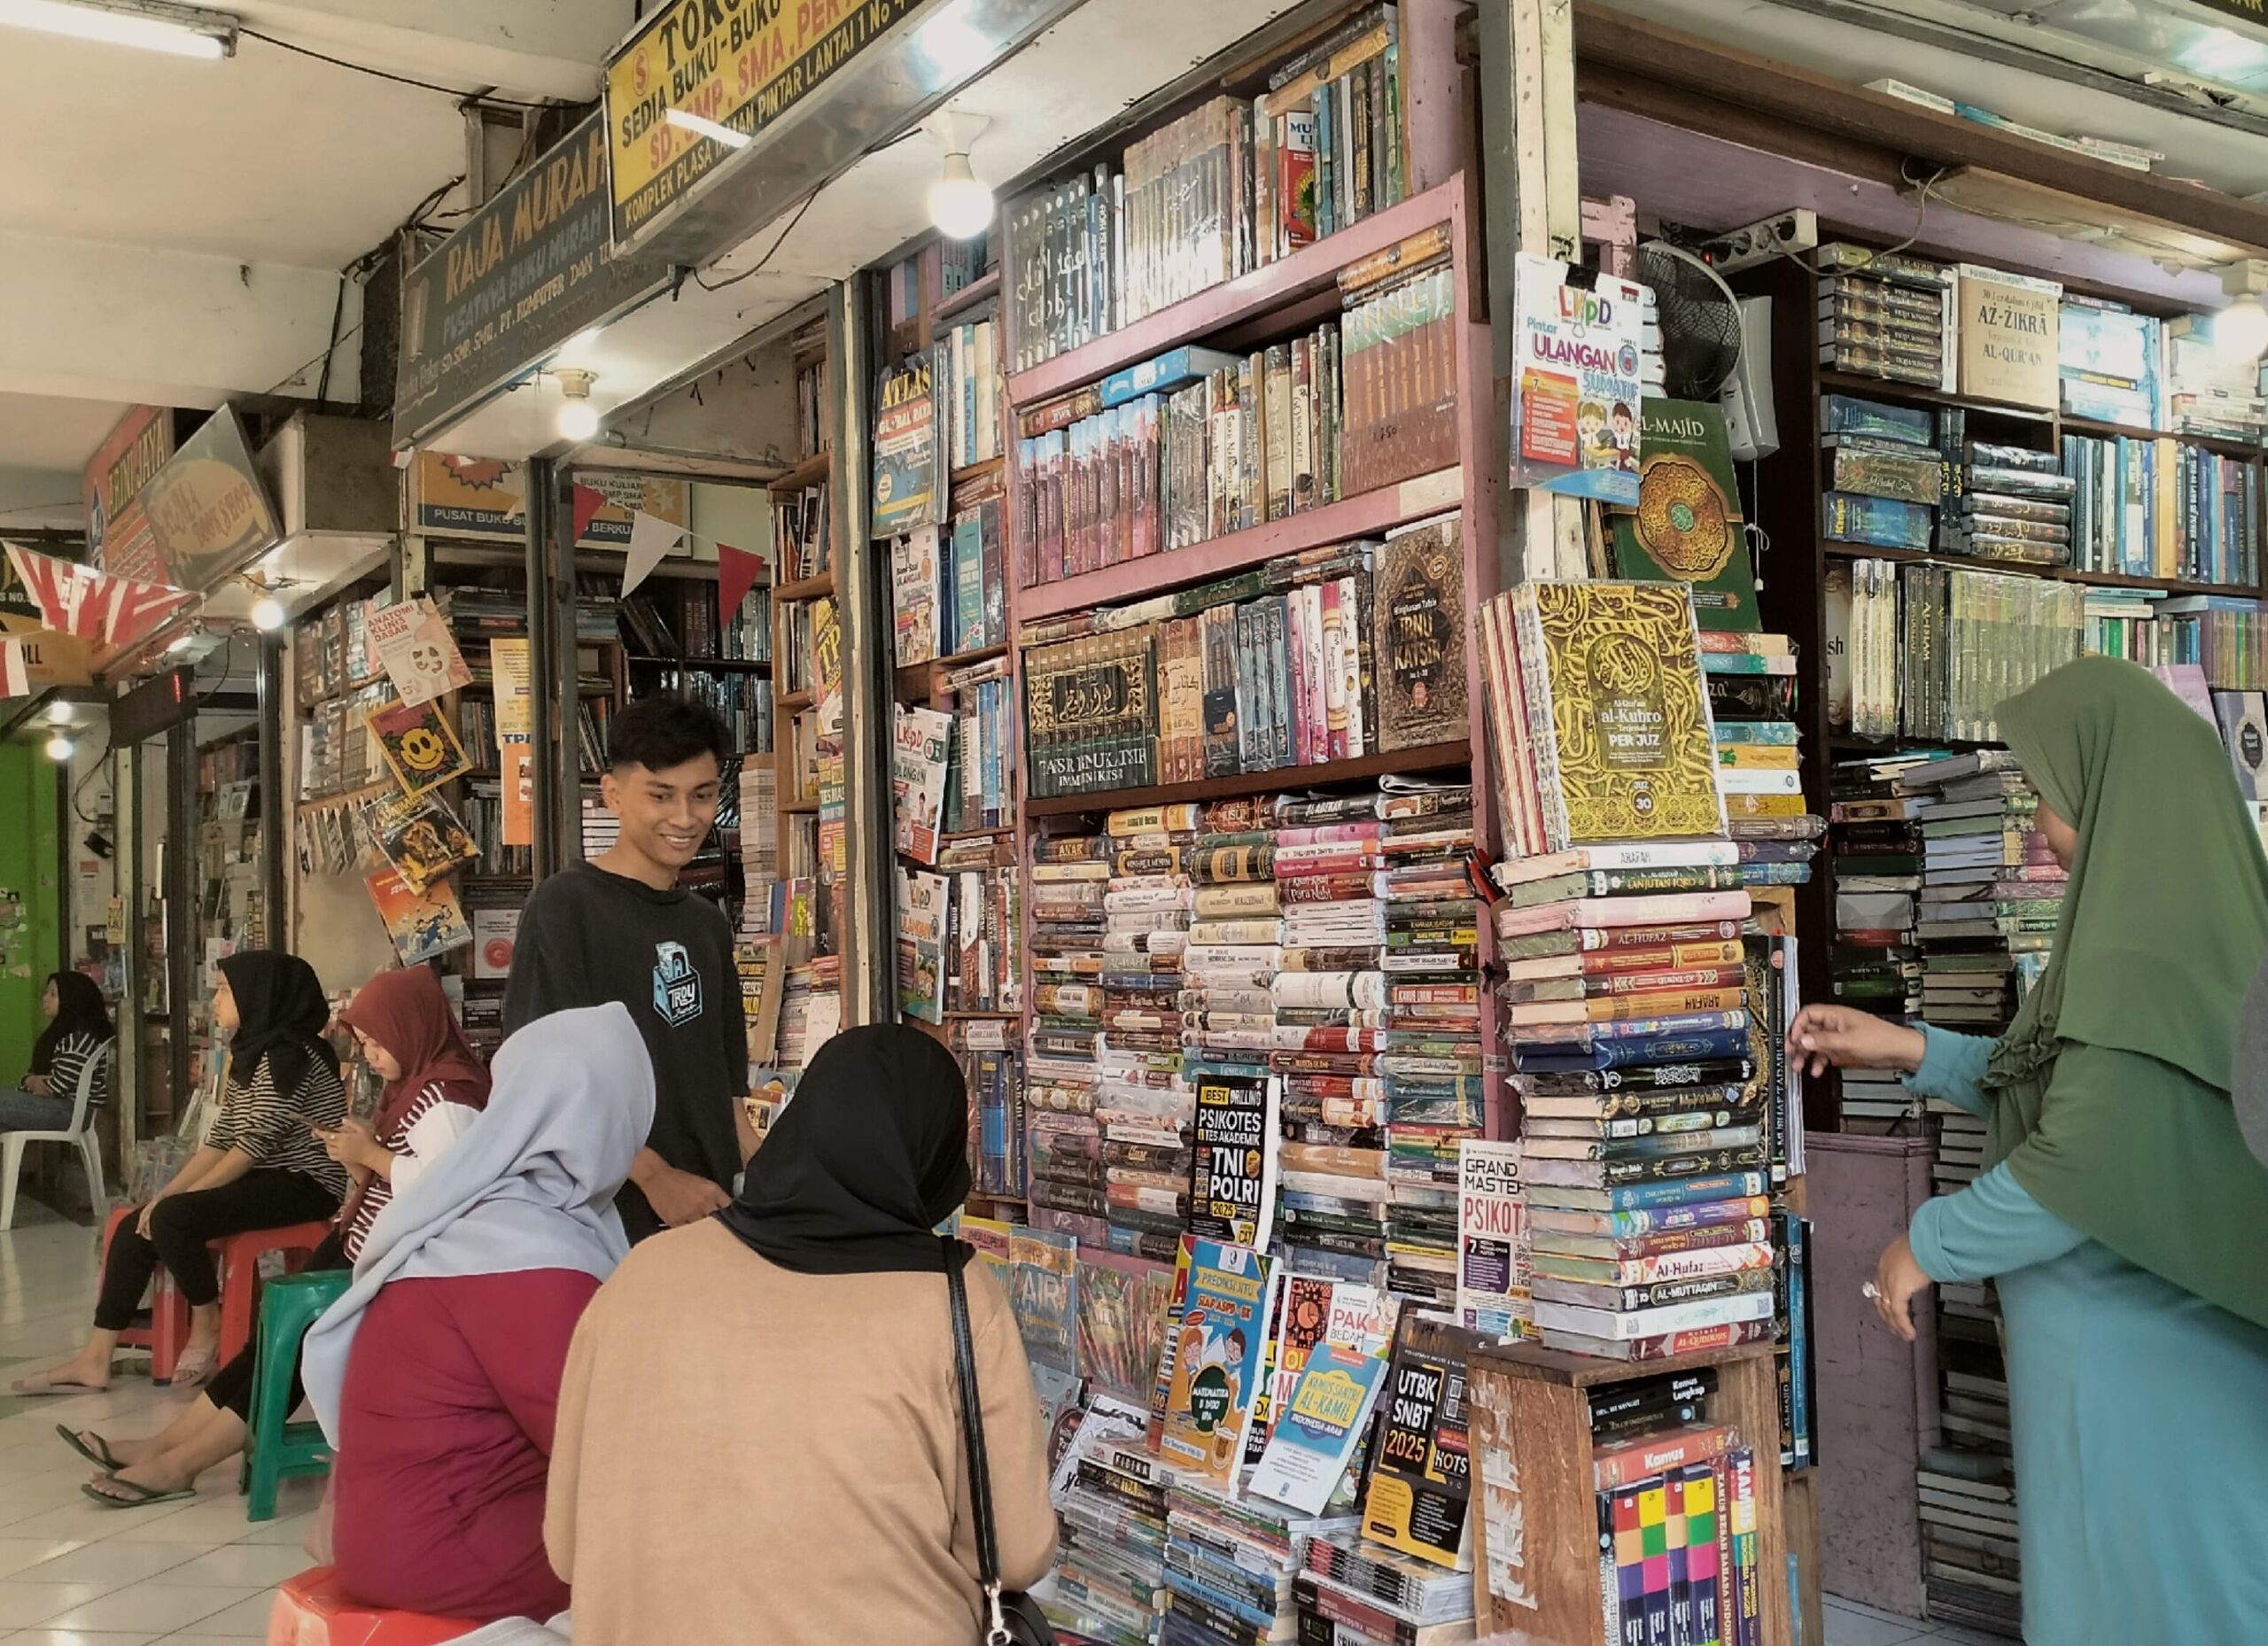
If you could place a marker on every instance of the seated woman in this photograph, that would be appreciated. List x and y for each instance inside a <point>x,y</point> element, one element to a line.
<point>692,1392</point>
<point>78,1027</point>
<point>435,1086</point>
<point>262,1166</point>
<point>437,1376</point>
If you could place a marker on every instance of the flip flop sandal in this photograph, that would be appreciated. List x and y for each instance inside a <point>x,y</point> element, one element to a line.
<point>144,1495</point>
<point>40,1383</point>
<point>193,1369</point>
<point>90,1446</point>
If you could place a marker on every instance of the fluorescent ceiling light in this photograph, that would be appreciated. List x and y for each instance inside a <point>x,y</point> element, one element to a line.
<point>153,24</point>
<point>712,129</point>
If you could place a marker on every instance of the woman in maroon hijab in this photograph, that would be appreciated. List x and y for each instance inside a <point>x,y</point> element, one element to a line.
<point>435,1086</point>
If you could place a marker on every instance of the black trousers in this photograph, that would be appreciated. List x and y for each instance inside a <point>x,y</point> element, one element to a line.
<point>182,1225</point>
<point>230,1389</point>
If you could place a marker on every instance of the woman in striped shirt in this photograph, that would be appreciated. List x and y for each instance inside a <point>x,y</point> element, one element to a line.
<point>78,1027</point>
<point>435,1087</point>
<point>262,1166</point>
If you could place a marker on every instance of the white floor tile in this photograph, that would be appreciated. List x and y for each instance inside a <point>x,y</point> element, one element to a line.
<point>246,1619</point>
<point>243,1565</point>
<point>156,1607</point>
<point>17,1553</point>
<point>1852,1626</point>
<point>75,1637</point>
<point>23,1605</point>
<point>113,1562</point>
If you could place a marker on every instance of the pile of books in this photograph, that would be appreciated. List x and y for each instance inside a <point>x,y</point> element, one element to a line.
<point>1875,966</point>
<point>1229,1563</point>
<point>1071,876</point>
<point>996,1104</point>
<point>1884,315</point>
<point>1678,1555</point>
<point>1109,1580</point>
<point>1934,651</point>
<point>1973,1573</point>
<point>810,1005</point>
<point>2211,391</point>
<point>1751,680</point>
<point>1354,1594</point>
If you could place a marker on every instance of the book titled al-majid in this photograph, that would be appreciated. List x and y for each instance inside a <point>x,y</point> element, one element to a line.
<point>1618,729</point>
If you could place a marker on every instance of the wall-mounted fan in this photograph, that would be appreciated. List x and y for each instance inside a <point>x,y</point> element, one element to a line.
<point>1715,347</point>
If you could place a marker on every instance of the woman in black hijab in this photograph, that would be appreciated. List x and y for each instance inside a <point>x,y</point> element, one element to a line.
<point>798,1345</point>
<point>78,1027</point>
<point>260,1166</point>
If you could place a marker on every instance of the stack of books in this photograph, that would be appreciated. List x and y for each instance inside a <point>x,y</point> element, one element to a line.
<point>1751,680</point>
<point>1229,1563</point>
<point>1109,1581</point>
<point>1678,1555</point>
<point>2209,389</point>
<point>995,1103</point>
<point>1351,1592</point>
<point>1974,1570</point>
<point>1884,315</point>
<point>1875,966</point>
<point>1069,875</point>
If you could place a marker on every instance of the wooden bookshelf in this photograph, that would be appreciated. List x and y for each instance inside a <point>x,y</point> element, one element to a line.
<point>985,287</point>
<point>810,471</point>
<point>1430,757</point>
<point>803,588</point>
<point>1838,550</point>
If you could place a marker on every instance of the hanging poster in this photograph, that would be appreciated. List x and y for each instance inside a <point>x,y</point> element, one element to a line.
<point>415,648</point>
<point>1575,396</point>
<point>420,837</point>
<point>208,507</point>
<point>418,743</point>
<point>422,924</point>
<point>118,539</point>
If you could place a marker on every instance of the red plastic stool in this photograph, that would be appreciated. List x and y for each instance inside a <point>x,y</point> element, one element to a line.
<point>312,1610</point>
<point>168,1327</point>
<point>237,1258</point>
<point>236,1262</point>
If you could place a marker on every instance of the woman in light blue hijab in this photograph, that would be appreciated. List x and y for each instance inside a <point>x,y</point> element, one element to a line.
<point>436,1375</point>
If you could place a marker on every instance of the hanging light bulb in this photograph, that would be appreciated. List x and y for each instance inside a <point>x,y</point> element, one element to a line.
<point>578,419</point>
<point>960,204</point>
<point>59,748</point>
<point>2240,330</point>
<point>59,712</point>
<point>267,614</point>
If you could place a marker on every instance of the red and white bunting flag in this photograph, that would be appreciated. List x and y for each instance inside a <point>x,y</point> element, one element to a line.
<point>93,605</point>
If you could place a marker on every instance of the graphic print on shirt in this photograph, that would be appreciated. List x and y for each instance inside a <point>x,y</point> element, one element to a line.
<point>677,986</point>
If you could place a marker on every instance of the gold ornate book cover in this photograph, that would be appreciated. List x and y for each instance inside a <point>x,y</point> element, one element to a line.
<point>1622,735</point>
<point>1091,709</point>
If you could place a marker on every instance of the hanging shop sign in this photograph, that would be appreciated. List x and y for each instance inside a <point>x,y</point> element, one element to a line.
<point>526,272</point>
<point>118,539</point>
<point>738,64</point>
<point>207,506</point>
<point>464,497</point>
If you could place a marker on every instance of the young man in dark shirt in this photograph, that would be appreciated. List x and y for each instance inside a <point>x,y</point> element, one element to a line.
<point>619,927</point>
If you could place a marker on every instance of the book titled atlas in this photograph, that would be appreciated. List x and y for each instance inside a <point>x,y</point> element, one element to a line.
<point>1687,527</point>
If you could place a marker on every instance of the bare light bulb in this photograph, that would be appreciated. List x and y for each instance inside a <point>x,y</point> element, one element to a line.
<point>2240,330</point>
<point>59,748</point>
<point>959,206</point>
<point>267,614</point>
<point>579,420</point>
<point>182,641</point>
<point>59,713</point>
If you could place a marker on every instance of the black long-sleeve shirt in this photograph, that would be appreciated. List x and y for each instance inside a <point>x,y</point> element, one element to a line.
<point>587,937</point>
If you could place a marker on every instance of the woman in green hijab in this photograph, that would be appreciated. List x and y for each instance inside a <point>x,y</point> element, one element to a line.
<point>2120,1217</point>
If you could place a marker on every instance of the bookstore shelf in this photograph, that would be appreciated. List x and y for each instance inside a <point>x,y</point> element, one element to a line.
<point>985,286</point>
<point>1429,758</point>
<point>976,470</point>
<point>1890,389</point>
<point>805,588</point>
<point>1274,285</point>
<point>810,471</point>
<point>2117,430</point>
<point>1368,514</point>
<point>706,665</point>
<point>802,807</point>
<point>786,702</point>
<point>2060,574</point>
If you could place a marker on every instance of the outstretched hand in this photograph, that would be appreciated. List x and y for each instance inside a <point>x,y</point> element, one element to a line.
<point>1825,1037</point>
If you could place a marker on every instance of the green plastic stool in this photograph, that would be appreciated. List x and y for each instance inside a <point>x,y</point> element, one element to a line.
<point>276,1448</point>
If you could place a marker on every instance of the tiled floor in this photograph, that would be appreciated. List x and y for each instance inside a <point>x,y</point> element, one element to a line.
<point>73,1574</point>
<point>1851,1624</point>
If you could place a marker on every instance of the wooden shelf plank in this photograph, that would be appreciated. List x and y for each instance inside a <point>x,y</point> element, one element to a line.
<point>2060,574</point>
<point>1364,516</point>
<point>1285,280</point>
<point>985,286</point>
<point>2208,442</point>
<point>1430,757</point>
<point>804,807</point>
<point>1889,388</point>
<point>805,588</point>
<point>787,702</point>
<point>809,473</point>
<point>982,466</point>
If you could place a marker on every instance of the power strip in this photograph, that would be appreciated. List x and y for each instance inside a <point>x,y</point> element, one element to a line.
<point>1796,229</point>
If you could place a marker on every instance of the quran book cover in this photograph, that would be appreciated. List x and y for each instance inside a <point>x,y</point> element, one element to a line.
<point>1620,726</point>
<point>2009,328</point>
<point>1687,525</point>
<point>1419,615</point>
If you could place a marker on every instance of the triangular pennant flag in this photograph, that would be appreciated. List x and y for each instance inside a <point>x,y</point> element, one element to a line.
<point>587,504</point>
<point>737,572</point>
<point>650,538</point>
<point>93,605</point>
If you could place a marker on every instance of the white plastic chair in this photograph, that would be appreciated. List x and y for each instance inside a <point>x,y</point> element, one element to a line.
<point>81,1131</point>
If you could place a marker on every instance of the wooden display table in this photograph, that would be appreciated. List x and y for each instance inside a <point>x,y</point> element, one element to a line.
<point>1531,1457</point>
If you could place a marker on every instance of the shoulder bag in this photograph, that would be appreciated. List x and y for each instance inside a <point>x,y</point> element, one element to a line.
<point>1012,1618</point>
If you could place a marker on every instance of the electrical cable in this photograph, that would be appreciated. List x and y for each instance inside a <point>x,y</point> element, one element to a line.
<point>761,263</point>
<point>400,79</point>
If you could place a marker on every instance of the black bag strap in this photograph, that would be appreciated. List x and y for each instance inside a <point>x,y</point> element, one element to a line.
<point>972,1429</point>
